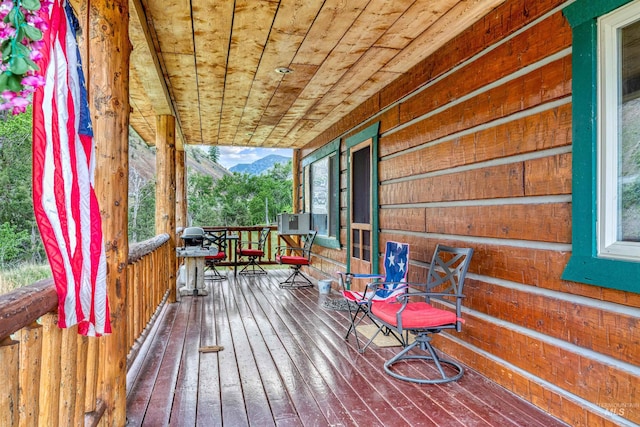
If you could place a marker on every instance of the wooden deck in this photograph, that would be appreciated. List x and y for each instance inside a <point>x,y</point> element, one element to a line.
<point>285,362</point>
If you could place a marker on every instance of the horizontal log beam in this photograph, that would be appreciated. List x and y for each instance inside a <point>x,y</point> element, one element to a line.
<point>25,305</point>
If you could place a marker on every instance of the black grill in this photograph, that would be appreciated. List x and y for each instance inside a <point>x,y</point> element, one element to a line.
<point>193,236</point>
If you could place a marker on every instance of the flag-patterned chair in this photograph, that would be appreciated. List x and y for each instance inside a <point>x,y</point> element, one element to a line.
<point>423,314</point>
<point>381,287</point>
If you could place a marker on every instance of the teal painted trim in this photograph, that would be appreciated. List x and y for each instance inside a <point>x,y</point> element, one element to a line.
<point>587,10</point>
<point>373,133</point>
<point>331,148</point>
<point>370,132</point>
<point>584,266</point>
<point>324,151</point>
<point>327,242</point>
<point>608,273</point>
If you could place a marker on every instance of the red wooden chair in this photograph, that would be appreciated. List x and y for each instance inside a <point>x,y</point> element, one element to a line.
<point>438,308</point>
<point>296,258</point>
<point>247,249</point>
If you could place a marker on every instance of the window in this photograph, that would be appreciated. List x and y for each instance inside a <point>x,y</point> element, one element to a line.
<point>606,89</point>
<point>321,176</point>
<point>619,133</point>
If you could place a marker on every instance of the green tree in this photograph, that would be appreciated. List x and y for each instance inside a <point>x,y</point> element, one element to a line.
<point>15,181</point>
<point>14,244</point>
<point>15,171</point>
<point>240,199</point>
<point>142,203</point>
<point>214,153</point>
<point>202,204</point>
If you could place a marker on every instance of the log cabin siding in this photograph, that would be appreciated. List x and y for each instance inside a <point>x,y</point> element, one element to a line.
<point>475,150</point>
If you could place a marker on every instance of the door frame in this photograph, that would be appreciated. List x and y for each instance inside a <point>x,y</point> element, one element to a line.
<point>370,132</point>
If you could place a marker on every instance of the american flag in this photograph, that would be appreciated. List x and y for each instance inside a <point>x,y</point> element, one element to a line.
<point>395,266</point>
<point>64,199</point>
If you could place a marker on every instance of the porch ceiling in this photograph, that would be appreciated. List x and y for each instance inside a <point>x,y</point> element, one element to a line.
<point>212,63</point>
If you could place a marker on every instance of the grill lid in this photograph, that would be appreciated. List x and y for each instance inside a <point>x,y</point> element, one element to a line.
<point>193,236</point>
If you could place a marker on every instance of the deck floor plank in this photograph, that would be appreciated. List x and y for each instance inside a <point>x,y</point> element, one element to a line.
<point>186,391</point>
<point>285,362</point>
<point>232,400</point>
<point>209,412</point>
<point>371,407</point>
<point>139,391</point>
<point>400,395</point>
<point>160,404</point>
<point>259,329</point>
<point>313,399</point>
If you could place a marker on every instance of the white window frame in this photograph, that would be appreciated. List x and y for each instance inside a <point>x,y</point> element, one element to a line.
<point>608,215</point>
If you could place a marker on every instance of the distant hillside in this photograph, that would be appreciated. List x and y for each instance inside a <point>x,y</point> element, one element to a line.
<point>142,159</point>
<point>260,166</point>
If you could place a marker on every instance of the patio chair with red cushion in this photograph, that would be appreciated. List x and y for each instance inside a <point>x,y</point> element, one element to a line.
<point>381,287</point>
<point>425,313</point>
<point>217,239</point>
<point>296,257</point>
<point>254,251</point>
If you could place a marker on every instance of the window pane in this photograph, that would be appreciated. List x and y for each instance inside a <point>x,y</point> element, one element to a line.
<point>320,195</point>
<point>334,219</point>
<point>361,173</point>
<point>628,179</point>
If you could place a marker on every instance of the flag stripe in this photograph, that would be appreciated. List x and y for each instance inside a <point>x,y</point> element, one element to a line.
<point>65,203</point>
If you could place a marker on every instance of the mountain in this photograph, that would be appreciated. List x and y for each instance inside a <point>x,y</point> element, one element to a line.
<point>259,166</point>
<point>142,160</point>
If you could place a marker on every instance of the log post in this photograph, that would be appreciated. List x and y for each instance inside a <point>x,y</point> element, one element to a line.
<point>295,173</point>
<point>181,189</point>
<point>166,189</point>
<point>108,88</point>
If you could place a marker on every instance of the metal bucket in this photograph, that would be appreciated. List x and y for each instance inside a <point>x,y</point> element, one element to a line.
<point>324,286</point>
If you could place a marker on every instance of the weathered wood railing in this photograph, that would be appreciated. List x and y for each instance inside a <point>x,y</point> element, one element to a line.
<point>50,375</point>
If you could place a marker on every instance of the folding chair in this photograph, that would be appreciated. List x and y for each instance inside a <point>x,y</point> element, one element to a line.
<point>218,239</point>
<point>296,258</point>
<point>439,308</point>
<point>246,249</point>
<point>381,288</point>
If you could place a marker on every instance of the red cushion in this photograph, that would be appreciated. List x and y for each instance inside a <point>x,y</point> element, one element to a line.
<point>290,259</point>
<point>416,315</point>
<point>219,256</point>
<point>251,252</point>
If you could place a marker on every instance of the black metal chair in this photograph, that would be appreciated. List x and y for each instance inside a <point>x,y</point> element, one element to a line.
<point>438,308</point>
<point>254,253</point>
<point>296,257</point>
<point>217,239</point>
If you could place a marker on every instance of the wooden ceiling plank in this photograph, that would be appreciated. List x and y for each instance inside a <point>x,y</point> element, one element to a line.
<point>421,15</point>
<point>458,18</point>
<point>247,44</point>
<point>172,22</point>
<point>219,68</point>
<point>212,27</point>
<point>365,31</point>
<point>332,23</point>
<point>291,24</point>
<point>353,81</point>
<point>372,86</point>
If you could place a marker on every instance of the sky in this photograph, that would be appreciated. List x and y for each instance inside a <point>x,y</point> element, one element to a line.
<point>231,156</point>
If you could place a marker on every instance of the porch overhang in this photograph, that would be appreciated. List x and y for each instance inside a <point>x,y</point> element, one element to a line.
<point>213,65</point>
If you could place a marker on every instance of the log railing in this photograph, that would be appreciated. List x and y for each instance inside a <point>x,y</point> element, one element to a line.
<point>50,375</point>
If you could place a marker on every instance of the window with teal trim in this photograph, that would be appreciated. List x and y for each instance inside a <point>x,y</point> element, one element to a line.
<point>606,143</point>
<point>321,181</point>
